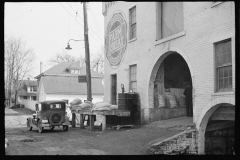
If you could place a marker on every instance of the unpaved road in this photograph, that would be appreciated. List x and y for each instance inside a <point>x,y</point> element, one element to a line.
<point>78,141</point>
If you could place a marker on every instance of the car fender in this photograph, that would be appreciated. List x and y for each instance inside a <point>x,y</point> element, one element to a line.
<point>30,121</point>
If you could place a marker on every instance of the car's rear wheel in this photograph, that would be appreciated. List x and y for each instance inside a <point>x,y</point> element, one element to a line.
<point>28,126</point>
<point>52,127</point>
<point>40,128</point>
<point>65,127</point>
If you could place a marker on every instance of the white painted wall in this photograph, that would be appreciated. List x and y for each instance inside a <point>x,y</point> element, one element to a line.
<point>96,98</point>
<point>203,23</point>
<point>29,104</point>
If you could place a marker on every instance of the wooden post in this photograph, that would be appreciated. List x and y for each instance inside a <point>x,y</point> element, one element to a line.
<point>73,120</point>
<point>103,122</point>
<point>91,122</point>
<point>81,121</point>
<point>87,56</point>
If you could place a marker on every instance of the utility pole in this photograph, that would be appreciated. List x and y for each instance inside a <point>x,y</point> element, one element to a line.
<point>87,56</point>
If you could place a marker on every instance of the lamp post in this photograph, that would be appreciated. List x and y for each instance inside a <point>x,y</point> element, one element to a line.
<point>88,72</point>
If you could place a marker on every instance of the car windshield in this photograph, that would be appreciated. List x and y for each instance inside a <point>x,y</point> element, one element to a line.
<point>55,106</point>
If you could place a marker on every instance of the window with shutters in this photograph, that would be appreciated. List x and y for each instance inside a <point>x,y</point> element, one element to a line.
<point>133,78</point>
<point>132,23</point>
<point>169,19</point>
<point>223,61</point>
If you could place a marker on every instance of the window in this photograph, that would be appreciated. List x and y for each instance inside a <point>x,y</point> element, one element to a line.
<point>24,97</point>
<point>170,19</point>
<point>75,71</point>
<point>55,106</point>
<point>133,78</point>
<point>223,59</point>
<point>33,89</point>
<point>132,22</point>
<point>34,98</point>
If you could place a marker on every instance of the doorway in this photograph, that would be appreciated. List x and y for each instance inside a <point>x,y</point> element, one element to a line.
<point>114,89</point>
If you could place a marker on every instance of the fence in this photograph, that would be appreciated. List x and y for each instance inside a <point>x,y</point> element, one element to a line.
<point>30,104</point>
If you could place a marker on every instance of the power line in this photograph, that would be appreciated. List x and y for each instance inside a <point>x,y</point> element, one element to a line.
<point>88,27</point>
<point>124,60</point>
<point>23,14</point>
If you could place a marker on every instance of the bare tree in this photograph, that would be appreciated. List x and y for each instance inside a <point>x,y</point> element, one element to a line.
<point>97,62</point>
<point>18,61</point>
<point>64,57</point>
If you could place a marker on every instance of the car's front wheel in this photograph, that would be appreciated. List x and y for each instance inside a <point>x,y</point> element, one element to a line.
<point>65,127</point>
<point>40,128</point>
<point>29,126</point>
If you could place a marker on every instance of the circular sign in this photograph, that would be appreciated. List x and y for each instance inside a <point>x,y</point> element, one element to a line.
<point>116,39</point>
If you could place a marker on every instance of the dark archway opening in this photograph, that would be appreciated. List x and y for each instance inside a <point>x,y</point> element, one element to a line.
<point>171,80</point>
<point>220,132</point>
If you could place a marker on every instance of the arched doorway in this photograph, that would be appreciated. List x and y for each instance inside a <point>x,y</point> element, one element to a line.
<point>216,127</point>
<point>220,131</point>
<point>169,78</point>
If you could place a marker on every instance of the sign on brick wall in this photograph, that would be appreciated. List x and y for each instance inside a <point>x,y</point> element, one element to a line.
<point>116,39</point>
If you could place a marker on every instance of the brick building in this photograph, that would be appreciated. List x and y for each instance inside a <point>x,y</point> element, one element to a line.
<point>157,48</point>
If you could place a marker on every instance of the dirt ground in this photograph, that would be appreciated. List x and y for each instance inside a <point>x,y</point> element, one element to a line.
<point>76,141</point>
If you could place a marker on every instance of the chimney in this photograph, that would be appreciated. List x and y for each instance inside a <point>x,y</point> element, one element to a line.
<point>41,67</point>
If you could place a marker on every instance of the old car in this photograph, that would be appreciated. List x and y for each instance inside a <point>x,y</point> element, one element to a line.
<point>49,114</point>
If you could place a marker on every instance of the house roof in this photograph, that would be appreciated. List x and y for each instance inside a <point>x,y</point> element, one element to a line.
<point>61,84</point>
<point>62,68</point>
<point>25,93</point>
<point>29,82</point>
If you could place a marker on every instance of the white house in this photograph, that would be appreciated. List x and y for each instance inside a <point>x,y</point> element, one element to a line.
<point>61,83</point>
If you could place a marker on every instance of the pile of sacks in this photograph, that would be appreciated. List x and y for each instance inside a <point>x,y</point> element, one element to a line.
<point>104,106</point>
<point>77,104</point>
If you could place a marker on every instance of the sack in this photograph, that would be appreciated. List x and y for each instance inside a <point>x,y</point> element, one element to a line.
<point>76,102</point>
<point>76,107</point>
<point>89,102</point>
<point>172,101</point>
<point>161,101</point>
<point>102,109</point>
<point>112,107</point>
<point>85,105</point>
<point>181,101</point>
<point>101,105</point>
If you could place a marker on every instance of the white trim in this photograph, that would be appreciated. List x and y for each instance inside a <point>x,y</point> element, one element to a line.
<point>215,4</point>
<point>132,63</point>
<point>222,37</point>
<point>131,6</point>
<point>223,93</point>
<point>131,40</point>
<point>170,37</point>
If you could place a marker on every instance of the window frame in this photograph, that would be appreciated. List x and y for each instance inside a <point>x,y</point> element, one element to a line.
<point>131,37</point>
<point>131,80</point>
<point>223,67</point>
<point>159,28</point>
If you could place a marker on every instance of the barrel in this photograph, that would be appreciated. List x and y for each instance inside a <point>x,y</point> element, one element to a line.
<point>172,101</point>
<point>181,101</point>
<point>161,101</point>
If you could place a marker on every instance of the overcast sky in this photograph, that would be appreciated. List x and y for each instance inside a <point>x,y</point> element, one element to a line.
<point>47,27</point>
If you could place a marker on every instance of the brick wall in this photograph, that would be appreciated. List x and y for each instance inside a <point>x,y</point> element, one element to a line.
<point>202,22</point>
<point>182,143</point>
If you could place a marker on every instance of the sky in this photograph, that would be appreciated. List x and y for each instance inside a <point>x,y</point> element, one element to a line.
<point>47,27</point>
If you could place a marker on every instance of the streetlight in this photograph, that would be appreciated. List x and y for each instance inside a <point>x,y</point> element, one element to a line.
<point>88,72</point>
<point>68,45</point>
